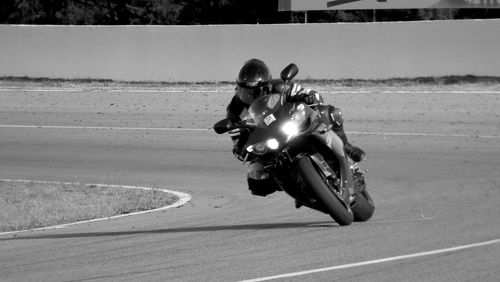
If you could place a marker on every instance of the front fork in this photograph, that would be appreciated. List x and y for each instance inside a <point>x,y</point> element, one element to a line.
<point>344,192</point>
<point>337,146</point>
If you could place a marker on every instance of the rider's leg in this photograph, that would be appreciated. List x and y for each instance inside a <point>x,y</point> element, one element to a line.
<point>260,182</point>
<point>337,121</point>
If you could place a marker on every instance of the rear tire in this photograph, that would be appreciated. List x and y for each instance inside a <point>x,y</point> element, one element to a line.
<point>312,178</point>
<point>363,206</point>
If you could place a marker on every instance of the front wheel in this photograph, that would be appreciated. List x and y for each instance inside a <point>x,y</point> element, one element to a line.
<point>312,178</point>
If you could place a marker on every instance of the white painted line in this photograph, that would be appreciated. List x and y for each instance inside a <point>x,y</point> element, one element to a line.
<point>172,90</point>
<point>103,127</point>
<point>209,129</point>
<point>181,90</point>
<point>183,199</point>
<point>438,92</point>
<point>377,261</point>
<point>424,134</point>
<point>42,90</point>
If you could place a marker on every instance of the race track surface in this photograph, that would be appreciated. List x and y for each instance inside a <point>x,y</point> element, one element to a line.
<point>433,171</point>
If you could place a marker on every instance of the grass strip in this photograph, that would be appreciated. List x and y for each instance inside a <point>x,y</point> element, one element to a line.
<point>28,205</point>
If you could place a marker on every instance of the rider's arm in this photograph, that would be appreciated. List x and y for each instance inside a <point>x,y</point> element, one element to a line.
<point>239,136</point>
<point>235,108</point>
<point>299,93</point>
<point>295,92</point>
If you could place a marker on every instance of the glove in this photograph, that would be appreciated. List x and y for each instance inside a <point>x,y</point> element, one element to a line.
<point>309,99</point>
<point>299,94</point>
<point>302,97</point>
<point>237,149</point>
<point>239,139</point>
<point>239,153</point>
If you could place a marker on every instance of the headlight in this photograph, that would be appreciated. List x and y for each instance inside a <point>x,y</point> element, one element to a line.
<point>290,129</point>
<point>272,144</point>
<point>263,147</point>
<point>298,118</point>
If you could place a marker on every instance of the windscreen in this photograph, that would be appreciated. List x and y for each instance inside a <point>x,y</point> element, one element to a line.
<point>261,109</point>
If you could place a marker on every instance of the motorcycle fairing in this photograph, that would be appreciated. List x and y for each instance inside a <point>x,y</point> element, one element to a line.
<point>314,140</point>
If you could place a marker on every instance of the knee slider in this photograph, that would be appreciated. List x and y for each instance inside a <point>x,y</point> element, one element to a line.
<point>336,115</point>
<point>256,171</point>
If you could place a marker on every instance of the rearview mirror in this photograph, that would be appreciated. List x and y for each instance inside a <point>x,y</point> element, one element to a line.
<point>223,126</point>
<point>289,72</point>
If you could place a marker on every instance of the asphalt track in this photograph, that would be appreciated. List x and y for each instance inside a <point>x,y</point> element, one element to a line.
<point>433,171</point>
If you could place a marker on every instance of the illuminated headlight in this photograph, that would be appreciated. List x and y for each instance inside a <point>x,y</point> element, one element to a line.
<point>273,144</point>
<point>262,147</point>
<point>290,128</point>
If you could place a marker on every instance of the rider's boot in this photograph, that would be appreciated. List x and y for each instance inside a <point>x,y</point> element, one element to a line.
<point>355,153</point>
<point>261,187</point>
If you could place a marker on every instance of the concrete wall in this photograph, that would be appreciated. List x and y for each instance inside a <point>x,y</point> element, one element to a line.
<point>215,53</point>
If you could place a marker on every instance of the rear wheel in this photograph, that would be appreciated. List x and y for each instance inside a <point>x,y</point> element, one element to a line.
<point>363,206</point>
<point>313,179</point>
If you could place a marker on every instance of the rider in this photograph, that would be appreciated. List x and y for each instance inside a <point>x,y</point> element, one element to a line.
<point>254,80</point>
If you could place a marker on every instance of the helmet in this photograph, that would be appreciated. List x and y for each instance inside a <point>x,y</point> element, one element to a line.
<point>253,80</point>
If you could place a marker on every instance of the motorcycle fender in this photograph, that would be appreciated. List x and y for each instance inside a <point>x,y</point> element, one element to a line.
<point>325,169</point>
<point>334,142</point>
<point>337,146</point>
<point>322,164</point>
<point>331,140</point>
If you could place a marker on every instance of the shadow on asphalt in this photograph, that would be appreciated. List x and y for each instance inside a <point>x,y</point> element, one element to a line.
<point>264,226</point>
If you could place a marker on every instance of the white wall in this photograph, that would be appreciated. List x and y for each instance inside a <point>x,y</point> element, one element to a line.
<point>215,53</point>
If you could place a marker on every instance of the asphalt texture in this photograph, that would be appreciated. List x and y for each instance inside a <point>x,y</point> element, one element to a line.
<point>433,172</point>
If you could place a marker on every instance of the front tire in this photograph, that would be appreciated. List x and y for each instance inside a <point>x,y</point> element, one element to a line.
<point>312,178</point>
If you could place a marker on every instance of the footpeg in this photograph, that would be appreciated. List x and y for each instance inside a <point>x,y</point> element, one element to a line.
<point>298,204</point>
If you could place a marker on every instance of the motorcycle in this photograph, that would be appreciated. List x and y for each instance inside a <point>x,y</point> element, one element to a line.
<point>305,158</point>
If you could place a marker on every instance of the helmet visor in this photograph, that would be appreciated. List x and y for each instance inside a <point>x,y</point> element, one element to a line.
<point>248,95</point>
